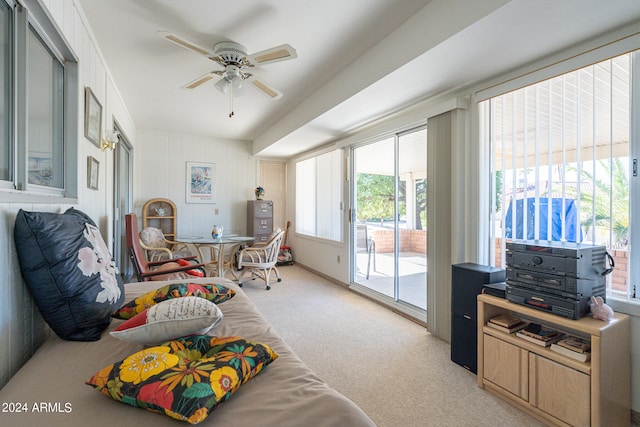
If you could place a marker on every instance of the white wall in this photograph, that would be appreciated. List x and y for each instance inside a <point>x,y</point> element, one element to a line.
<point>21,327</point>
<point>160,159</point>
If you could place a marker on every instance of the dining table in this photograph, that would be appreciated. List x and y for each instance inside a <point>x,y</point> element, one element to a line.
<point>215,246</point>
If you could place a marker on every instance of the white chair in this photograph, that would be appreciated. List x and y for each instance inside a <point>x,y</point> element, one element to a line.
<point>260,260</point>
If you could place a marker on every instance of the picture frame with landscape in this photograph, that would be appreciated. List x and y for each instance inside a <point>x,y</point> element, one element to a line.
<point>92,117</point>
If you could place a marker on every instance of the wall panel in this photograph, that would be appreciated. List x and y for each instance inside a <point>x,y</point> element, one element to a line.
<point>160,171</point>
<point>22,329</point>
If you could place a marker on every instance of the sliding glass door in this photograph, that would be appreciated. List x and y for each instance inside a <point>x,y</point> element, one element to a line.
<point>389,224</point>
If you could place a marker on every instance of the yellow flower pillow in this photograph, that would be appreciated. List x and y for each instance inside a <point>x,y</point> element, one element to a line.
<point>212,292</point>
<point>184,379</point>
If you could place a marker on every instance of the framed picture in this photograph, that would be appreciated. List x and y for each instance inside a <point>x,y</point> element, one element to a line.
<point>93,167</point>
<point>92,117</point>
<point>200,182</point>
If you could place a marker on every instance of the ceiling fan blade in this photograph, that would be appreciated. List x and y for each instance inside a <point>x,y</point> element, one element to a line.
<point>187,44</point>
<point>200,80</point>
<point>265,88</point>
<point>275,54</point>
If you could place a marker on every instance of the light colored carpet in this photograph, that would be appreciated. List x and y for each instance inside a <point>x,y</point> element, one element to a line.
<point>397,372</point>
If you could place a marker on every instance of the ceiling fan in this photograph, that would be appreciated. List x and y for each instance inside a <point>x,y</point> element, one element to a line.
<point>236,65</point>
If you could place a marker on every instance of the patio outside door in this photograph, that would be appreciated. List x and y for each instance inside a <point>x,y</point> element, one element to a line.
<point>389,224</point>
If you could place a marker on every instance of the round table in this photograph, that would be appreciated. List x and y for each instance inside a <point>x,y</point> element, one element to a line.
<point>214,245</point>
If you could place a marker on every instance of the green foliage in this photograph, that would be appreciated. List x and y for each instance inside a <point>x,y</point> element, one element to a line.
<point>376,196</point>
<point>421,203</point>
<point>498,190</point>
<point>607,206</point>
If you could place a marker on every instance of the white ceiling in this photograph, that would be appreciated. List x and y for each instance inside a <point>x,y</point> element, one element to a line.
<point>358,60</point>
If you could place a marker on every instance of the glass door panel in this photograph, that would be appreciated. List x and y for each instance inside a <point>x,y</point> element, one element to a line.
<point>122,203</point>
<point>374,227</point>
<point>389,223</point>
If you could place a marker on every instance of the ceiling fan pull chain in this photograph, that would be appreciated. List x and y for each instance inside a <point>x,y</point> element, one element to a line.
<point>230,101</point>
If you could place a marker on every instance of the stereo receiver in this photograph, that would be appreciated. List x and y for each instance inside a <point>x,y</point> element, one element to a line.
<point>563,258</point>
<point>557,277</point>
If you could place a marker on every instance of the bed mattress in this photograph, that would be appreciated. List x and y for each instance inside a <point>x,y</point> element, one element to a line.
<point>50,390</point>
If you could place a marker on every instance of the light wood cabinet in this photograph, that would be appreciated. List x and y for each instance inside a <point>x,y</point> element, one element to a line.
<point>560,391</point>
<point>554,388</point>
<point>160,213</point>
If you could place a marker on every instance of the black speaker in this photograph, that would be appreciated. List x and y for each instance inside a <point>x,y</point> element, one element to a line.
<point>467,280</point>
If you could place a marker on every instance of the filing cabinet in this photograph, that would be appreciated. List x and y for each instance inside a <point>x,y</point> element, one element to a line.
<point>260,219</point>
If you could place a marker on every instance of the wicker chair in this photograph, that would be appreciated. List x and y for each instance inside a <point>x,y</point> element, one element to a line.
<point>157,247</point>
<point>260,260</point>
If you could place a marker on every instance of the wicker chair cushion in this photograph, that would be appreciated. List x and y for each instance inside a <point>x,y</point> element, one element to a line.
<point>152,237</point>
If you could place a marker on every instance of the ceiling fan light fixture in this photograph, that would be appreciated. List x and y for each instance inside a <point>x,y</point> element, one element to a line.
<point>223,85</point>
<point>231,79</point>
<point>236,85</point>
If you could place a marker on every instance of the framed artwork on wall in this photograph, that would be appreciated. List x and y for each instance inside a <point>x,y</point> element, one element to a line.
<point>200,182</point>
<point>93,167</point>
<point>92,117</point>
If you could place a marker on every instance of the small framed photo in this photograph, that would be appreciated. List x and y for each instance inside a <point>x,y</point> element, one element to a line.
<point>92,117</point>
<point>93,167</point>
<point>200,182</point>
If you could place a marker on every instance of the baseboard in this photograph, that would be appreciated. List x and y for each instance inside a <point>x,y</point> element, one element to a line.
<point>324,276</point>
<point>635,418</point>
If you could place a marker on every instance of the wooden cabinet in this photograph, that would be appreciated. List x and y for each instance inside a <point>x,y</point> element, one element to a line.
<point>160,213</point>
<point>560,391</point>
<point>506,365</point>
<point>260,219</point>
<point>554,388</point>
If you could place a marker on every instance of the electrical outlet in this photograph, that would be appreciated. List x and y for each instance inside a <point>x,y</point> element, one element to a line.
<point>338,259</point>
<point>215,211</point>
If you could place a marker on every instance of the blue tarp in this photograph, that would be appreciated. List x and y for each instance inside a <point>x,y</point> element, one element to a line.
<point>541,208</point>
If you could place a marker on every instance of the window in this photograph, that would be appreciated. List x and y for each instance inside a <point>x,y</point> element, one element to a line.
<point>560,161</point>
<point>319,196</point>
<point>39,106</point>
<point>45,80</point>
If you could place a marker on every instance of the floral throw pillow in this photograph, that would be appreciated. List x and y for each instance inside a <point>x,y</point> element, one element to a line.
<point>212,292</point>
<point>184,379</point>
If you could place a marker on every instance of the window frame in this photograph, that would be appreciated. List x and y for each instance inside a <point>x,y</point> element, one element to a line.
<point>608,49</point>
<point>334,199</point>
<point>33,17</point>
<point>10,88</point>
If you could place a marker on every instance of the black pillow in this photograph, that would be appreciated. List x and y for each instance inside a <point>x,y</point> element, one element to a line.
<point>69,272</point>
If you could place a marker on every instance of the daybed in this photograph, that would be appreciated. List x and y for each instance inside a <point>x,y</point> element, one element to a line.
<point>50,388</point>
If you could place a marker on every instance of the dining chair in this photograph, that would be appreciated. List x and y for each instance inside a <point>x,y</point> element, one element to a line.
<point>260,260</point>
